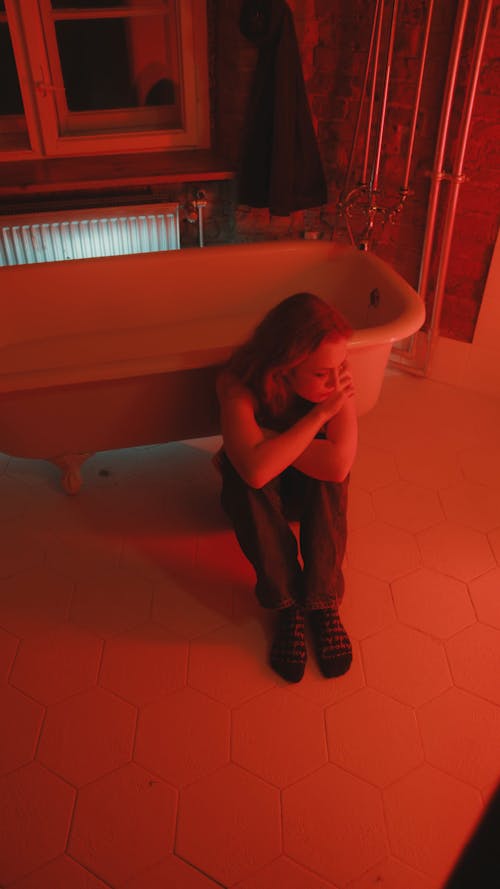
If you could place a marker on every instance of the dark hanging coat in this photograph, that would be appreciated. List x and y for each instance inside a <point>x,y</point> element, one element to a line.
<point>281,165</point>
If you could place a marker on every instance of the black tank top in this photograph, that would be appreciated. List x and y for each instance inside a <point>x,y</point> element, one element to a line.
<point>298,408</point>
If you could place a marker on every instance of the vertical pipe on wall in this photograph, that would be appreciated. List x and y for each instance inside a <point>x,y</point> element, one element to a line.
<point>413,128</point>
<point>383,105</point>
<point>201,240</point>
<point>406,357</point>
<point>457,176</point>
<point>438,172</point>
<point>361,103</point>
<point>380,9</point>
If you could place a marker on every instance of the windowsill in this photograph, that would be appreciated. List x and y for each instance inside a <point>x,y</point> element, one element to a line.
<point>45,176</point>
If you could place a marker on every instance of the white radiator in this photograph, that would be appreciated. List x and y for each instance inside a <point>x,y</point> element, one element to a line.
<point>77,234</point>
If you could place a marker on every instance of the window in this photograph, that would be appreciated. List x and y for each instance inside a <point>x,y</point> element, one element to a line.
<point>98,76</point>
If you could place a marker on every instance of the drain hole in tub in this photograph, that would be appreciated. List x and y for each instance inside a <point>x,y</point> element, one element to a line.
<point>374,297</point>
<point>104,472</point>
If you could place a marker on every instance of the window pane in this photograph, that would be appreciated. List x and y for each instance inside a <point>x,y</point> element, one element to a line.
<point>13,131</point>
<point>94,62</point>
<point>115,63</point>
<point>10,94</point>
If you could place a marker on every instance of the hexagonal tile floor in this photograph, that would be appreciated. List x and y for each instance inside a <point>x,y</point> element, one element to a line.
<point>147,744</point>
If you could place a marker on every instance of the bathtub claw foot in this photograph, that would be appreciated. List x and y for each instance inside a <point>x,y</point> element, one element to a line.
<point>70,465</point>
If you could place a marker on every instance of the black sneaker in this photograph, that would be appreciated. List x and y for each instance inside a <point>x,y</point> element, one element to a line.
<point>288,651</point>
<point>332,644</point>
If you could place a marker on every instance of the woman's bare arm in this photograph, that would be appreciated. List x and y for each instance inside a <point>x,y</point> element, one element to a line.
<point>331,459</point>
<point>256,456</point>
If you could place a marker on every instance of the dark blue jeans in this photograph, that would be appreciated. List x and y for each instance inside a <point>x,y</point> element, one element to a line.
<point>260,518</point>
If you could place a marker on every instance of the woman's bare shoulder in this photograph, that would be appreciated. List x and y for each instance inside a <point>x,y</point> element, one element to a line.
<point>229,386</point>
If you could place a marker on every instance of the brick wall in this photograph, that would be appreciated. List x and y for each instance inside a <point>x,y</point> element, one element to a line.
<point>333,37</point>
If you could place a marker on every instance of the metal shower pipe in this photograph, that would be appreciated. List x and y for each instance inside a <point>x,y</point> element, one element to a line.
<point>438,173</point>
<point>349,197</point>
<point>406,357</point>
<point>378,27</point>
<point>457,177</point>
<point>404,190</point>
<point>420,80</point>
<point>361,102</point>
<point>383,104</point>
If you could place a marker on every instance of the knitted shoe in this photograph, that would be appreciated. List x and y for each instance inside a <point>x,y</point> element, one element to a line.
<point>288,651</point>
<point>332,644</point>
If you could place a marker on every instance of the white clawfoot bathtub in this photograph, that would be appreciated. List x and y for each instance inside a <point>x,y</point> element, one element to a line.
<point>98,354</point>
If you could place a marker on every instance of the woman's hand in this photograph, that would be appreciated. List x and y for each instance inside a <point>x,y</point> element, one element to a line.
<point>344,389</point>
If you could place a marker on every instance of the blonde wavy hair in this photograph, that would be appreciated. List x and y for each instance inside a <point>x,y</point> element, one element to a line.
<point>285,337</point>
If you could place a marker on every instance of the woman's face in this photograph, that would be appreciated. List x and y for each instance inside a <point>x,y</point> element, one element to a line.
<point>316,377</point>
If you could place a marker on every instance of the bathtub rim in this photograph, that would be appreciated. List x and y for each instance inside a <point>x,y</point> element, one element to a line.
<point>410,319</point>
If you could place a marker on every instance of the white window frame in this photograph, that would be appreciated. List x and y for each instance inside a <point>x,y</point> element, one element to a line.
<point>40,94</point>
